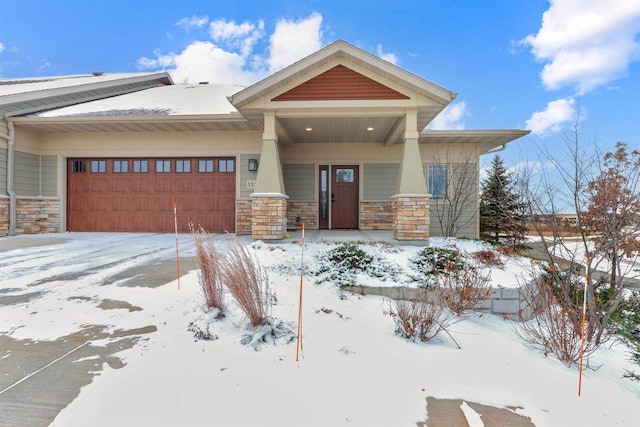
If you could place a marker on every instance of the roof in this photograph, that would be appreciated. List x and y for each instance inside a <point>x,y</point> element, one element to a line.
<point>182,99</point>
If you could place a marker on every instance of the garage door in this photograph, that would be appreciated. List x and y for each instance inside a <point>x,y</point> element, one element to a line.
<point>138,194</point>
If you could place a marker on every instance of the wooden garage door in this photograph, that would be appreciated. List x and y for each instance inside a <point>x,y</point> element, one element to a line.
<point>138,194</point>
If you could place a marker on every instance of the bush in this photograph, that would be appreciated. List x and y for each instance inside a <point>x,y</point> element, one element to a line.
<point>209,274</point>
<point>345,261</point>
<point>462,290</point>
<point>432,261</point>
<point>247,282</point>
<point>488,257</point>
<point>627,325</point>
<point>418,319</point>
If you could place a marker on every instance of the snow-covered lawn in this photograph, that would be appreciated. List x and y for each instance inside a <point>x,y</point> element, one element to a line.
<point>353,369</point>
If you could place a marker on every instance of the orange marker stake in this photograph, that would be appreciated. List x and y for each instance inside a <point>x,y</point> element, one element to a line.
<point>175,223</point>
<point>299,344</point>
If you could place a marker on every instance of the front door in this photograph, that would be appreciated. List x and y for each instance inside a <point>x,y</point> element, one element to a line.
<point>344,197</point>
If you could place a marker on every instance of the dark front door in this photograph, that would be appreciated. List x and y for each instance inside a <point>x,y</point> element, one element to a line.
<point>344,197</point>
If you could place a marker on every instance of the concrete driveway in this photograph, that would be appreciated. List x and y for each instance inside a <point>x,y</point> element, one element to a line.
<point>53,279</point>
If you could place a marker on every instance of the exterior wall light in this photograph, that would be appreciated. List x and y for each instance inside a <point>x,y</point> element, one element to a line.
<point>253,165</point>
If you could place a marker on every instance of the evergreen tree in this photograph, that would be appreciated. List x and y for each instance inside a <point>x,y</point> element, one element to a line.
<point>501,209</point>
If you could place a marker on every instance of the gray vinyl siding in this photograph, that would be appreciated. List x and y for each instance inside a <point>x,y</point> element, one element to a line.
<point>245,175</point>
<point>469,215</point>
<point>49,174</point>
<point>379,180</point>
<point>299,181</point>
<point>27,174</point>
<point>3,171</point>
<point>35,175</point>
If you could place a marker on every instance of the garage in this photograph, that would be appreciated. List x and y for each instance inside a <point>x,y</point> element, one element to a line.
<point>138,194</point>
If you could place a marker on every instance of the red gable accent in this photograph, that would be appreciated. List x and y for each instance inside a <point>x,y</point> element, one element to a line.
<point>339,83</point>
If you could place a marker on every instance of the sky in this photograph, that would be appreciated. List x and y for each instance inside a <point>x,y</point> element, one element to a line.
<point>541,65</point>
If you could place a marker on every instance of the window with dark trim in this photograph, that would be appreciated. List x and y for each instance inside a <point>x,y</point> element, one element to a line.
<point>78,166</point>
<point>98,166</point>
<point>205,165</point>
<point>438,181</point>
<point>163,166</point>
<point>140,166</point>
<point>120,166</point>
<point>183,166</point>
<point>226,166</point>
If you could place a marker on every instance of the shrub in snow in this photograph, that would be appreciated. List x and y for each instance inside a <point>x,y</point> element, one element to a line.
<point>461,290</point>
<point>201,334</point>
<point>419,318</point>
<point>209,274</point>
<point>344,262</point>
<point>247,282</point>
<point>432,261</point>
<point>556,300</point>
<point>488,257</point>
<point>627,327</point>
<point>271,332</point>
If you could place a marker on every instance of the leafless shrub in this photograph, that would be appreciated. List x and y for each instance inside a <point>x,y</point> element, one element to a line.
<point>247,281</point>
<point>555,299</point>
<point>461,290</point>
<point>209,274</point>
<point>419,318</point>
<point>488,257</point>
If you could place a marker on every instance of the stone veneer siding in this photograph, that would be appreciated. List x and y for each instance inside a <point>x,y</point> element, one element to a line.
<point>4,216</point>
<point>269,217</point>
<point>410,217</point>
<point>308,213</point>
<point>376,216</point>
<point>243,217</point>
<point>37,215</point>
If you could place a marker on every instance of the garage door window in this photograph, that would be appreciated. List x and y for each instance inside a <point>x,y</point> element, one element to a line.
<point>163,166</point>
<point>205,166</point>
<point>78,166</point>
<point>140,166</point>
<point>120,166</point>
<point>183,166</point>
<point>98,166</point>
<point>225,166</point>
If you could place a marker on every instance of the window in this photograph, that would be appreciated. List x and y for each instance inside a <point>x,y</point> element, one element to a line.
<point>78,166</point>
<point>183,166</point>
<point>120,166</point>
<point>225,165</point>
<point>163,166</point>
<point>438,181</point>
<point>344,175</point>
<point>140,166</point>
<point>205,165</point>
<point>98,166</point>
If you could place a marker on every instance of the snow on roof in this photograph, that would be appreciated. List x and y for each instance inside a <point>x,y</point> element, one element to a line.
<point>182,99</point>
<point>28,85</point>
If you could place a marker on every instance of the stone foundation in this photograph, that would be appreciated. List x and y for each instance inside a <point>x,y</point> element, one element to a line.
<point>269,217</point>
<point>243,217</point>
<point>376,216</point>
<point>306,211</point>
<point>37,215</point>
<point>4,216</point>
<point>410,217</point>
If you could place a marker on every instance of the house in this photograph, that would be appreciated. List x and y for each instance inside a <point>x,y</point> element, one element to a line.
<point>337,140</point>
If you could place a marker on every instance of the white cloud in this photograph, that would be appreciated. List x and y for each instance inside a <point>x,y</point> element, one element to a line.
<point>193,22</point>
<point>242,37</point>
<point>293,40</point>
<point>451,118</point>
<point>390,57</point>
<point>586,43</point>
<point>553,117</point>
<point>1,47</point>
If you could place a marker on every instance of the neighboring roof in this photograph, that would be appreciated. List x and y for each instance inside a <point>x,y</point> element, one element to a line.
<point>182,99</point>
<point>24,96</point>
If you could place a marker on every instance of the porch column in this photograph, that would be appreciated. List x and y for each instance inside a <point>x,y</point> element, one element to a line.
<point>269,201</point>
<point>411,201</point>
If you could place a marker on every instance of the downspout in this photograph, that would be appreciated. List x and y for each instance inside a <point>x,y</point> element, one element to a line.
<point>12,194</point>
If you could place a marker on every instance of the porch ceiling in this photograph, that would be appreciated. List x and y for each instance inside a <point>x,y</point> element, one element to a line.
<point>339,129</point>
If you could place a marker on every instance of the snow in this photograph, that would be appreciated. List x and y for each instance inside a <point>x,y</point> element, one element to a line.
<point>181,99</point>
<point>353,369</point>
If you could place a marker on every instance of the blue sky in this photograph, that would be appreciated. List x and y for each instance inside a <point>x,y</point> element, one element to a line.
<point>529,64</point>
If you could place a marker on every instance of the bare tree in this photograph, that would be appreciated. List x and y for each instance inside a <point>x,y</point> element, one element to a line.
<point>583,184</point>
<point>456,211</point>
